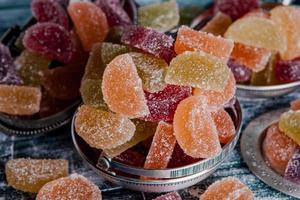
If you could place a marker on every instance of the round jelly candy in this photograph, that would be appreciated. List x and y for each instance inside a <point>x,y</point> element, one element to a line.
<point>295,105</point>
<point>287,71</point>
<point>289,123</point>
<point>292,171</point>
<point>241,73</point>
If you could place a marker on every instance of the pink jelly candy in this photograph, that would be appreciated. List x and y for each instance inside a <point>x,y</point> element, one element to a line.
<point>49,40</point>
<point>114,12</point>
<point>169,196</point>
<point>241,72</point>
<point>292,171</point>
<point>179,158</point>
<point>295,105</point>
<point>49,11</point>
<point>162,104</point>
<point>149,41</point>
<point>287,71</point>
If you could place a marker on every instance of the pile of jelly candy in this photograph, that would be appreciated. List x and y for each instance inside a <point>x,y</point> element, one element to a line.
<point>281,144</point>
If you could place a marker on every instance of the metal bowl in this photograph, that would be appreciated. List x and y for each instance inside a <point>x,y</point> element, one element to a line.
<point>169,179</point>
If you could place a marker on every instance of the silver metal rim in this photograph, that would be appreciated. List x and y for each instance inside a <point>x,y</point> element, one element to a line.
<point>269,88</point>
<point>251,141</point>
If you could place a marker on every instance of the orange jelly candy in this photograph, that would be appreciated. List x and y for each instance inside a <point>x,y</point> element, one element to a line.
<point>218,24</point>
<point>90,23</point>
<point>192,40</point>
<point>258,13</point>
<point>252,57</point>
<point>74,187</point>
<point>194,128</point>
<point>227,188</point>
<point>278,149</point>
<point>20,100</point>
<point>224,124</point>
<point>216,98</point>
<point>123,89</point>
<point>295,105</point>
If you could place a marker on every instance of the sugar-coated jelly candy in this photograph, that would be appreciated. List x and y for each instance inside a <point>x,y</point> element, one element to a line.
<point>287,18</point>
<point>131,157</point>
<point>192,40</point>
<point>235,8</point>
<point>162,147</point>
<point>90,23</point>
<point>194,128</point>
<point>149,41</point>
<point>162,104</point>
<point>179,158</point>
<point>31,66</point>
<point>110,51</point>
<point>115,13</point>
<point>49,40</point>
<point>152,71</point>
<point>241,73</point>
<point>258,32</point>
<point>229,188</point>
<point>289,123</point>
<point>216,98</point>
<point>198,69</point>
<point>218,24</point>
<point>29,175</point>
<point>252,57</point>
<point>49,11</point>
<point>160,16</point>
<point>287,71</point>
<point>102,129</point>
<point>295,105</point>
<point>292,171</point>
<point>258,13</point>
<point>20,100</point>
<point>169,196</point>
<point>122,88</point>
<point>144,130</point>
<point>278,148</point>
<point>74,187</point>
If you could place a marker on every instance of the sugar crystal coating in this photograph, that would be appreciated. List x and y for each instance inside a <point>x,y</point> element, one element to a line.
<point>49,40</point>
<point>19,100</point>
<point>110,51</point>
<point>227,188</point>
<point>241,73</point>
<point>289,123</point>
<point>30,175</point>
<point>258,13</point>
<point>102,129</point>
<point>295,105</point>
<point>218,24</point>
<point>74,187</point>
<point>292,171</point>
<point>287,71</point>
<point>169,196</point>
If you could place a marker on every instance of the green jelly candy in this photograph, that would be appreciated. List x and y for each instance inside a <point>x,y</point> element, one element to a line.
<point>110,51</point>
<point>289,123</point>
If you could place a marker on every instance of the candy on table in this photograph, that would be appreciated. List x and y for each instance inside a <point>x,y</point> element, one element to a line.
<point>162,104</point>
<point>287,71</point>
<point>258,13</point>
<point>292,171</point>
<point>216,98</point>
<point>241,73</point>
<point>160,16</point>
<point>130,157</point>
<point>169,196</point>
<point>29,175</point>
<point>227,188</point>
<point>144,130</point>
<point>90,23</point>
<point>287,18</point>
<point>199,70</point>
<point>235,8</point>
<point>289,123</point>
<point>252,57</point>
<point>49,11</point>
<point>278,148</point>
<point>150,41</point>
<point>102,129</point>
<point>258,32</point>
<point>194,128</point>
<point>74,187</point>
<point>162,147</point>
<point>218,24</point>
<point>179,158</point>
<point>19,100</point>
<point>152,71</point>
<point>115,13</point>
<point>295,105</point>
<point>49,40</point>
<point>31,66</point>
<point>122,88</point>
<point>192,40</point>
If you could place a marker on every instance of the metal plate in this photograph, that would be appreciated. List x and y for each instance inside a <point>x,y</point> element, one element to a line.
<point>251,143</point>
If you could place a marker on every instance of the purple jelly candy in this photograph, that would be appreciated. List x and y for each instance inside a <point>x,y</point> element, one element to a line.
<point>149,41</point>
<point>292,171</point>
<point>49,40</point>
<point>288,71</point>
<point>116,15</point>
<point>241,73</point>
<point>49,11</point>
<point>179,158</point>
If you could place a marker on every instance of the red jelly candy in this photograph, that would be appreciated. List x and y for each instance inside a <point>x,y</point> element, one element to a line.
<point>162,104</point>
<point>49,11</point>
<point>130,157</point>
<point>241,72</point>
<point>179,158</point>
<point>169,196</point>
<point>236,8</point>
<point>288,71</point>
<point>49,40</point>
<point>292,171</point>
<point>114,12</point>
<point>149,41</point>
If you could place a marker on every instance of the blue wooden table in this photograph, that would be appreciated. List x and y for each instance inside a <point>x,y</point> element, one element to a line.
<point>59,144</point>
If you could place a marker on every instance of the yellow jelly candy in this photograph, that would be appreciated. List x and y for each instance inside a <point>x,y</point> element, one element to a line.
<point>289,123</point>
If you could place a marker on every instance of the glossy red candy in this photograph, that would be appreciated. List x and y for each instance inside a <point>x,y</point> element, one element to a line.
<point>179,158</point>
<point>288,71</point>
<point>241,72</point>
